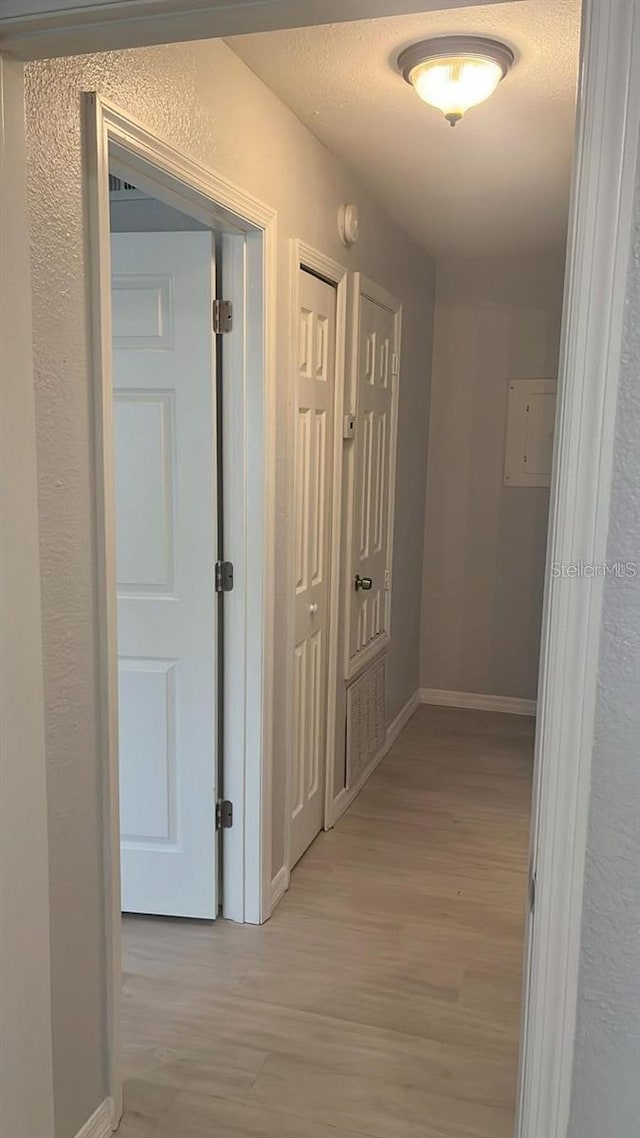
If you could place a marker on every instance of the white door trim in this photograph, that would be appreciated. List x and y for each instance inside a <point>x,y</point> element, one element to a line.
<point>306,257</point>
<point>597,260</point>
<point>363,286</point>
<point>208,195</point>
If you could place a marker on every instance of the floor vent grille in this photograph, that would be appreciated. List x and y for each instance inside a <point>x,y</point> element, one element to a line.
<point>366,719</point>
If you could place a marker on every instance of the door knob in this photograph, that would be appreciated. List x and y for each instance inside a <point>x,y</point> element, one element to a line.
<point>364,583</point>
<point>313,609</point>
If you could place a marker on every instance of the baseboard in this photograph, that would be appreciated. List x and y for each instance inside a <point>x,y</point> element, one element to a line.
<point>402,718</point>
<point>279,886</point>
<point>512,705</point>
<point>343,800</point>
<point>100,1125</point>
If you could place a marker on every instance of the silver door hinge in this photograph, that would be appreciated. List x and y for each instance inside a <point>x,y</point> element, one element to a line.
<point>224,814</point>
<point>224,576</point>
<point>222,316</point>
<point>532,891</point>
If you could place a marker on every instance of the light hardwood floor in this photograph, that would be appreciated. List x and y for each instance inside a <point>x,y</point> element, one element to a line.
<point>383,997</point>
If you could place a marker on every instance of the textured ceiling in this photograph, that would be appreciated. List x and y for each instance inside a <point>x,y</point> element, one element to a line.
<point>499,182</point>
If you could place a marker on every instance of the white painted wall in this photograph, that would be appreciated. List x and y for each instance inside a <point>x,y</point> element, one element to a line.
<point>182,92</point>
<point>26,1089</point>
<point>484,544</point>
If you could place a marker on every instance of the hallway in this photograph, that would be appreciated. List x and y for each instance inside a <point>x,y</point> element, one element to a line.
<point>383,997</point>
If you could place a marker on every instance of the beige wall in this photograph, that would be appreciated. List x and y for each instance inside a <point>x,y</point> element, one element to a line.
<point>26,1084</point>
<point>495,320</point>
<point>204,100</point>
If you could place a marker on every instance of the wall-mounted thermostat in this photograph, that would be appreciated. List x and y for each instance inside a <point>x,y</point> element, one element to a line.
<point>349,430</point>
<point>528,448</point>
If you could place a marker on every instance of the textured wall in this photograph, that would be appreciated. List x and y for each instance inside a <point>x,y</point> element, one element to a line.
<point>496,319</point>
<point>606,1089</point>
<point>182,92</point>
<point>26,1083</point>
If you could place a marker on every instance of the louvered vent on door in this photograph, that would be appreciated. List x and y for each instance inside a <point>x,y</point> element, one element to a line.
<point>117,185</point>
<point>366,719</point>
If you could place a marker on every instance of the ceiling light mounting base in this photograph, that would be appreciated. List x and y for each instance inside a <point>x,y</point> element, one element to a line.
<point>440,47</point>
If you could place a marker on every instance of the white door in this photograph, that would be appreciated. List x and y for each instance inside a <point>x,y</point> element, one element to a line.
<point>163,364</point>
<point>370,583</point>
<point>313,470</point>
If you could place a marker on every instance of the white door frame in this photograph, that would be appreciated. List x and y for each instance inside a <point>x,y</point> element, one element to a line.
<point>250,405</point>
<point>304,256</point>
<point>600,230</point>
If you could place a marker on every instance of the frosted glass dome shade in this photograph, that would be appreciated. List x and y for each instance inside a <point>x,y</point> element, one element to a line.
<point>454,73</point>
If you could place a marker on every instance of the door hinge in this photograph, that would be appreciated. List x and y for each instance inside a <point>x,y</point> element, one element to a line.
<point>224,576</point>
<point>224,814</point>
<point>532,891</point>
<point>222,316</point>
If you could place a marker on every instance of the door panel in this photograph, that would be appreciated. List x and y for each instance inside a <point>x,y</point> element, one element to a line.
<point>145,490</point>
<point>313,474</point>
<point>369,608</point>
<point>165,528</point>
<point>148,782</point>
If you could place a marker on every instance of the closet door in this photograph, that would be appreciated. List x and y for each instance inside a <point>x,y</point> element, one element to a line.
<point>373,474</point>
<point>315,395</point>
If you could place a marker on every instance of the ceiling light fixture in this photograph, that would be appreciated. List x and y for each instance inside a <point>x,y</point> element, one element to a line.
<point>454,73</point>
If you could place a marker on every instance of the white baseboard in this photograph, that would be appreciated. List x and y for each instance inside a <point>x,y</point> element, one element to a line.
<point>343,800</point>
<point>279,886</point>
<point>101,1124</point>
<point>401,719</point>
<point>512,705</point>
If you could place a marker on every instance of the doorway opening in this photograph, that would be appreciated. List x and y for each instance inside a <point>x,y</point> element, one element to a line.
<point>349,489</point>
<point>183,431</point>
<point>404,533</point>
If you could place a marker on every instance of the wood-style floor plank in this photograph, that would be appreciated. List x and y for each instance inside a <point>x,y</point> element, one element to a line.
<point>382,1000</point>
